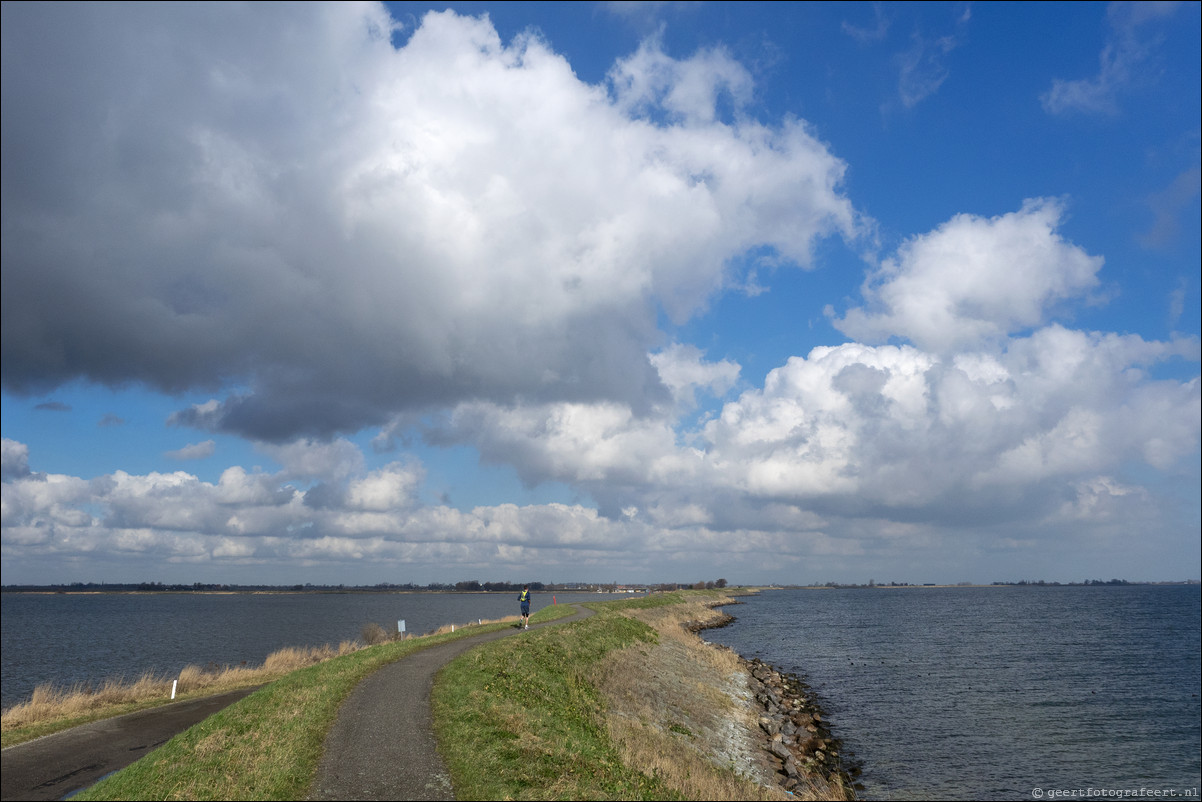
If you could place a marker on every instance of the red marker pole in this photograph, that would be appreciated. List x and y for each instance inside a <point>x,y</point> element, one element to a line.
<point>552,600</point>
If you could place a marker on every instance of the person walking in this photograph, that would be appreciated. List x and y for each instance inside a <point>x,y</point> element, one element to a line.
<point>524,598</point>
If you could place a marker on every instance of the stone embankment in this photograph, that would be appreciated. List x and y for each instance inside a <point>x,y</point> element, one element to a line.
<point>798,739</point>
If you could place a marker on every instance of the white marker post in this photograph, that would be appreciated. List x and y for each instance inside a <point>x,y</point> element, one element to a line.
<point>173,682</point>
<point>400,625</point>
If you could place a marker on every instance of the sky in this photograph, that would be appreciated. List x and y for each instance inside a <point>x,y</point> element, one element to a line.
<point>600,292</point>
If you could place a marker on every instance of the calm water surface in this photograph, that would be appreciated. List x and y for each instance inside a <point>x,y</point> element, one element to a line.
<point>70,638</point>
<point>996,693</point>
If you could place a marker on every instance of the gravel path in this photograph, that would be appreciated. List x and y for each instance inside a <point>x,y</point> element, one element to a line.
<point>382,745</point>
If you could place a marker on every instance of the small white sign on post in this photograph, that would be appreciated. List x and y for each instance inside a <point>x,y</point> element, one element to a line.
<point>400,625</point>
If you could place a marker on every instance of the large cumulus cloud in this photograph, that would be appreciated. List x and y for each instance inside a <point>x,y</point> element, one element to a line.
<point>992,412</point>
<point>974,280</point>
<point>276,198</point>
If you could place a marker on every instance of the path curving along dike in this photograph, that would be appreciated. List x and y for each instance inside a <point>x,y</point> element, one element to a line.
<point>380,747</point>
<point>382,744</point>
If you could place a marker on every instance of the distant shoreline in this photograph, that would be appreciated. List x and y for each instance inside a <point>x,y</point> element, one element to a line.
<point>53,591</point>
<point>59,590</point>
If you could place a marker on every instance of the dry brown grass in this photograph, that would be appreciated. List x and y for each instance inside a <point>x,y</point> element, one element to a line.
<point>680,710</point>
<point>115,695</point>
<point>52,707</point>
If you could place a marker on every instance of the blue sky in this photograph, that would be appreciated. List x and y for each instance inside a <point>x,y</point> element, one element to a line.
<point>776,292</point>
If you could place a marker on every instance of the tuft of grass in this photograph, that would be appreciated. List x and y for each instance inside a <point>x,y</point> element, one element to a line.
<point>373,633</point>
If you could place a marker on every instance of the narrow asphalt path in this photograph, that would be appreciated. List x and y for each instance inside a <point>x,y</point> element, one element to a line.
<point>56,766</point>
<point>382,745</point>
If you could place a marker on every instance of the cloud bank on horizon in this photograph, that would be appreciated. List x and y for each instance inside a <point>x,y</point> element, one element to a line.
<point>362,244</point>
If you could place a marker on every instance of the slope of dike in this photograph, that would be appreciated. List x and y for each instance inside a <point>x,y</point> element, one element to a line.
<point>741,715</point>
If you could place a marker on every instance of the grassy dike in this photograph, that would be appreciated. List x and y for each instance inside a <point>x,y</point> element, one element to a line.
<point>541,715</point>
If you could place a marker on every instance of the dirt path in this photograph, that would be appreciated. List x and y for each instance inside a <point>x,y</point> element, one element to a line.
<point>382,745</point>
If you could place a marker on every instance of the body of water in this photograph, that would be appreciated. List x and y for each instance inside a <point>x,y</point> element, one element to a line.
<point>996,693</point>
<point>937,693</point>
<point>65,639</point>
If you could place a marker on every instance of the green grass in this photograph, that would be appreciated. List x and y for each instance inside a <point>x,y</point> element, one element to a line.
<point>518,719</point>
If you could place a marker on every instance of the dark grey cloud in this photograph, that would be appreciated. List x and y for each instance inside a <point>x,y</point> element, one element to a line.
<point>272,204</point>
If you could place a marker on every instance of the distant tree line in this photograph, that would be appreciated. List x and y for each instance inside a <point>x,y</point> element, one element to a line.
<point>473,586</point>
<point>1042,583</point>
<point>1022,582</point>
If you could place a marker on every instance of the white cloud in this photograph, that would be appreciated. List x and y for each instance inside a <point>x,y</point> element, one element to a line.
<point>14,459</point>
<point>868,34</point>
<point>1124,55</point>
<point>850,450</point>
<point>391,488</point>
<point>1176,203</point>
<point>922,68</point>
<point>194,451</point>
<point>650,80</point>
<point>683,369</point>
<point>974,281</point>
<point>313,459</point>
<point>858,430</point>
<point>572,442</point>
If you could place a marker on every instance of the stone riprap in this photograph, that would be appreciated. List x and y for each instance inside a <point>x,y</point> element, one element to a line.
<point>799,740</point>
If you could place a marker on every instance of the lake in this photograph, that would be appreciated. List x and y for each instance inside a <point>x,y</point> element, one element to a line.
<point>997,692</point>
